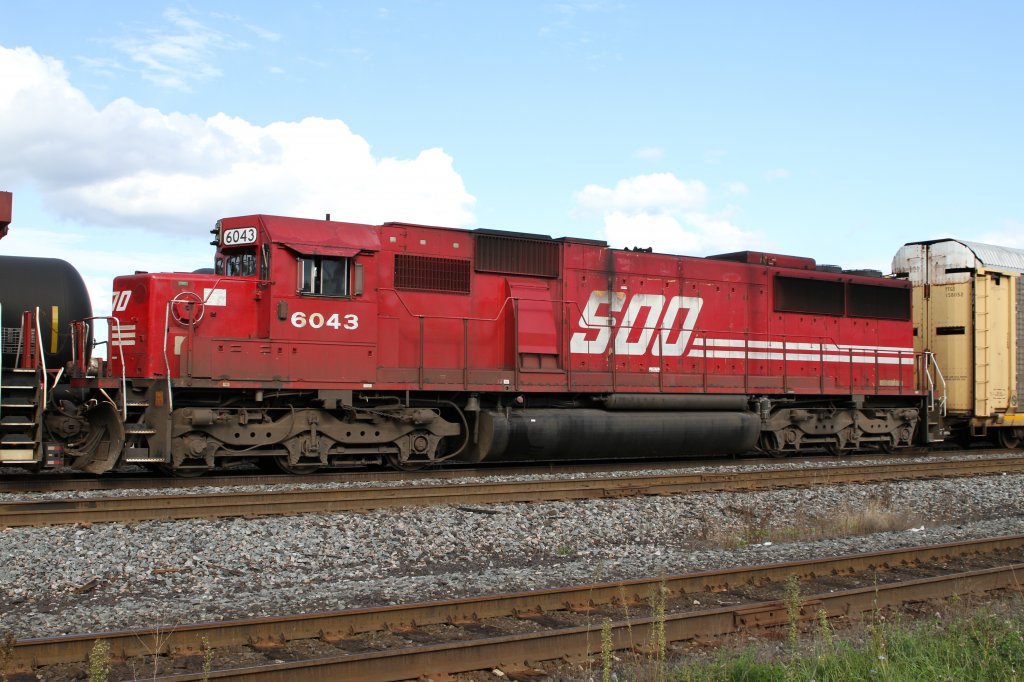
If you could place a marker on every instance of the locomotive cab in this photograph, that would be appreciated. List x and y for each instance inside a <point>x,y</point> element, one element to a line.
<point>260,356</point>
<point>283,304</point>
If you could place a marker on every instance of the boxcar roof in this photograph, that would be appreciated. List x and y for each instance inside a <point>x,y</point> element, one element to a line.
<point>989,255</point>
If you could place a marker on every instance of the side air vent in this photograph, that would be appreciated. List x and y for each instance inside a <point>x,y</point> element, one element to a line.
<point>871,300</point>
<point>517,256</point>
<point>431,273</point>
<point>805,295</point>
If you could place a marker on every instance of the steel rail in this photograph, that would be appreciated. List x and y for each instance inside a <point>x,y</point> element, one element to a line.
<point>464,656</point>
<point>283,502</point>
<point>183,639</point>
<point>112,481</point>
<point>58,482</point>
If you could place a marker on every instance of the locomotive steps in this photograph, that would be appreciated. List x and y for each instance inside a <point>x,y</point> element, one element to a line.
<point>265,503</point>
<point>408,641</point>
<point>18,415</point>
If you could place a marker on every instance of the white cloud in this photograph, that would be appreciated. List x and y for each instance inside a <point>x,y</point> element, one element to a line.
<point>99,264</point>
<point>777,174</point>
<point>102,66</point>
<point>180,55</point>
<point>656,191</point>
<point>130,166</point>
<point>667,214</point>
<point>264,33</point>
<point>693,234</point>
<point>660,231</point>
<point>736,188</point>
<point>649,153</point>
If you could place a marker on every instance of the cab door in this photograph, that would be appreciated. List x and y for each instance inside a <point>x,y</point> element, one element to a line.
<point>330,322</point>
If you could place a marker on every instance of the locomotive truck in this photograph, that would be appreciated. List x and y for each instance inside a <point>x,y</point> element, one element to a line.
<point>319,343</point>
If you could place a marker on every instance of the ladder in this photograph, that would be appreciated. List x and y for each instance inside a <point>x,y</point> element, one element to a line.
<point>22,397</point>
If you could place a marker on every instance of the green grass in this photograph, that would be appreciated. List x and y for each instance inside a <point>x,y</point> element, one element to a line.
<point>983,648</point>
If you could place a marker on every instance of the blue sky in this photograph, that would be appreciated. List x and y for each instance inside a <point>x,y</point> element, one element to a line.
<point>835,130</point>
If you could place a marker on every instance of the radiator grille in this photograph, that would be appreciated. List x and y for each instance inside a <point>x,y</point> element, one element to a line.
<point>516,256</point>
<point>431,273</point>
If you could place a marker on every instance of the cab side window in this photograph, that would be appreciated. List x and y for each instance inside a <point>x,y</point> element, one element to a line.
<point>324,276</point>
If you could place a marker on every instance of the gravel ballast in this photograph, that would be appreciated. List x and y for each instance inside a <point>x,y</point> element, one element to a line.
<point>68,579</point>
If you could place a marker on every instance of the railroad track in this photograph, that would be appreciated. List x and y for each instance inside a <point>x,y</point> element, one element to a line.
<point>476,495</point>
<point>244,477</point>
<point>61,482</point>
<point>562,621</point>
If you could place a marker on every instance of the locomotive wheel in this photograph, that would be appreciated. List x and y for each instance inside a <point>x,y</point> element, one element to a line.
<point>395,463</point>
<point>834,450</point>
<point>1008,438</point>
<point>769,443</point>
<point>886,447</point>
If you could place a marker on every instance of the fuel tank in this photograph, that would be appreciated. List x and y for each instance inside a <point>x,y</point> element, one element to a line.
<point>566,434</point>
<point>56,289</point>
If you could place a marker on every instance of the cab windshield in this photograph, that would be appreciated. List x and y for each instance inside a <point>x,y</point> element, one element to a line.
<point>237,263</point>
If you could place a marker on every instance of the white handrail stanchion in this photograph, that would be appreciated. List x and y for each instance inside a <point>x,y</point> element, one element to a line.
<point>167,362</point>
<point>41,358</point>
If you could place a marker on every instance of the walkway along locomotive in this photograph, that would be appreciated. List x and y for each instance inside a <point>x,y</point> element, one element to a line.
<point>319,343</point>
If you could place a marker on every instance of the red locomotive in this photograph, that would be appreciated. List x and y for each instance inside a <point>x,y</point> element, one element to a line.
<point>319,343</point>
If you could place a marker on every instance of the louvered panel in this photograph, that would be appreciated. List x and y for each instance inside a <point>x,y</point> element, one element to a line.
<point>432,273</point>
<point>515,256</point>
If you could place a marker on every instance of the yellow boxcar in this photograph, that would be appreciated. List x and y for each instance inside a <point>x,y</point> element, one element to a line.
<point>967,312</point>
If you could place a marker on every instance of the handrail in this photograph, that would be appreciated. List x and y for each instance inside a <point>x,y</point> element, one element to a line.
<point>784,345</point>
<point>117,328</point>
<point>945,396</point>
<point>41,357</point>
<point>167,362</point>
<point>167,331</point>
<point>931,383</point>
<point>929,359</point>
